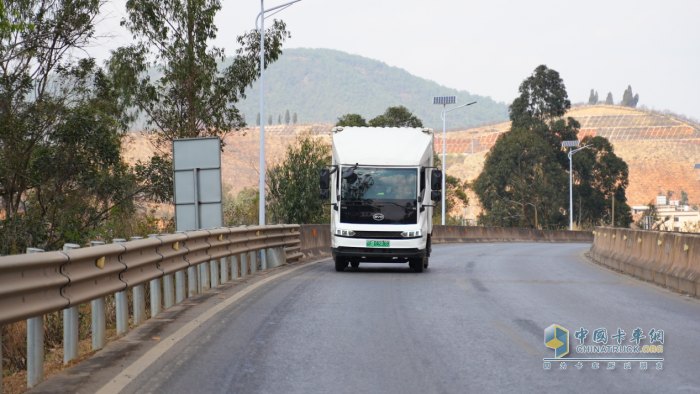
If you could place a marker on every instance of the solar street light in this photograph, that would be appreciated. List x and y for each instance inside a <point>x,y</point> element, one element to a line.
<point>444,101</point>
<point>572,144</point>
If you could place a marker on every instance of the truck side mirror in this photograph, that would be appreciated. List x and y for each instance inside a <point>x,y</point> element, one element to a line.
<point>436,180</point>
<point>436,195</point>
<point>325,176</point>
<point>323,194</point>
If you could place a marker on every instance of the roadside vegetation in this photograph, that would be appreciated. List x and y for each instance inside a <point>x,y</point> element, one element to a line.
<point>525,180</point>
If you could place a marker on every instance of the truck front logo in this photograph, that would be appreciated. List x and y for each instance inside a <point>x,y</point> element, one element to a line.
<point>378,216</point>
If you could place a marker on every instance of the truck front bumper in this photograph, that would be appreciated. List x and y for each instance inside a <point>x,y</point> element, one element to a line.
<point>378,255</point>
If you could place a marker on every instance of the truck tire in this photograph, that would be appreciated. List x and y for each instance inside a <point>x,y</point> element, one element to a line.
<point>416,264</point>
<point>340,264</point>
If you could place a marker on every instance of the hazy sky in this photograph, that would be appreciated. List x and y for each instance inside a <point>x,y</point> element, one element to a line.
<point>489,47</point>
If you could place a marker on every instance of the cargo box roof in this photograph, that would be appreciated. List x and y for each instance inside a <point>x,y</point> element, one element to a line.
<point>404,146</point>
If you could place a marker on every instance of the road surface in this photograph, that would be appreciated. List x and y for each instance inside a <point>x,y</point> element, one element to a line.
<point>472,322</point>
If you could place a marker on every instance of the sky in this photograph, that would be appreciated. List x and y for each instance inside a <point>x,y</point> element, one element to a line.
<point>489,47</point>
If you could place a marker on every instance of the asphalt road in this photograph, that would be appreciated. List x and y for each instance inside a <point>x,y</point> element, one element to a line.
<point>472,322</point>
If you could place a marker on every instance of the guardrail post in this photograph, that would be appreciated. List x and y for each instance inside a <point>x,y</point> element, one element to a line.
<point>204,277</point>
<point>244,264</point>
<point>168,289</point>
<point>35,345</point>
<point>214,273</point>
<point>263,258</point>
<point>70,325</point>
<point>180,286</point>
<point>253,259</point>
<point>139,294</point>
<point>224,271</point>
<point>121,300</point>
<point>156,300</point>
<point>192,280</point>
<point>97,310</point>
<point>234,267</point>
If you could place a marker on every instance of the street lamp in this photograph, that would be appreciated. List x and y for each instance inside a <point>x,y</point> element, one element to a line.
<point>570,145</point>
<point>262,17</point>
<point>444,101</point>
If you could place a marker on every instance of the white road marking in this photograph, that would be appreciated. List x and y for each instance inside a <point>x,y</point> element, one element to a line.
<point>134,370</point>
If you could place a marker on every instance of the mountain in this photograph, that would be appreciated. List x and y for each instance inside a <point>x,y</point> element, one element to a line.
<point>321,85</point>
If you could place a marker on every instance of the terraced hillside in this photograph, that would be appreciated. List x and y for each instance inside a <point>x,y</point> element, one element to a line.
<point>660,150</point>
<point>241,157</point>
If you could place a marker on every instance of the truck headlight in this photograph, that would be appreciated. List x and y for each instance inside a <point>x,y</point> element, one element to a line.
<point>345,233</point>
<point>411,234</point>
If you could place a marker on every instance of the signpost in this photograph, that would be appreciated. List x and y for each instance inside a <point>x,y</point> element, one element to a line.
<point>197,183</point>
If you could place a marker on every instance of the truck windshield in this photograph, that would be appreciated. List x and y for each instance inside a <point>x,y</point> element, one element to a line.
<point>376,195</point>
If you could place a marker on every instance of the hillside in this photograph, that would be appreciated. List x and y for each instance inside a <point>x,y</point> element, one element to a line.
<point>322,84</point>
<point>659,150</point>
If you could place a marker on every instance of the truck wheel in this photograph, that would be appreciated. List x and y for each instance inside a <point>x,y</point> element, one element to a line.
<point>340,264</point>
<point>426,262</point>
<point>416,264</point>
<point>354,264</point>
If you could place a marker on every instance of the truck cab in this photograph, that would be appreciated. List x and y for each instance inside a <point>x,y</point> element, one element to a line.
<point>381,185</point>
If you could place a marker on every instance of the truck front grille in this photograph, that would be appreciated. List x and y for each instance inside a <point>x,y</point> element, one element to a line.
<point>378,234</point>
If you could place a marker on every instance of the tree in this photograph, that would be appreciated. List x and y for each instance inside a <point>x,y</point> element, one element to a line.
<point>455,195</point>
<point>279,119</point>
<point>542,98</point>
<point>286,117</point>
<point>293,183</point>
<point>396,117</point>
<point>294,118</point>
<point>241,209</point>
<point>609,99</point>
<point>628,99</point>
<point>524,182</point>
<point>351,120</point>
<point>269,120</point>
<point>192,97</point>
<point>593,98</point>
<point>599,176</point>
<point>60,129</point>
<point>243,119</point>
<point>684,198</point>
<point>257,120</point>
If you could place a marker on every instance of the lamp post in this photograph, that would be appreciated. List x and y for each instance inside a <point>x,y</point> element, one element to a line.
<point>570,145</point>
<point>444,101</point>
<point>261,16</point>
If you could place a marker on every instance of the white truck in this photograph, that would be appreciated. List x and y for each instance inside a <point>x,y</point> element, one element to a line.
<point>381,184</point>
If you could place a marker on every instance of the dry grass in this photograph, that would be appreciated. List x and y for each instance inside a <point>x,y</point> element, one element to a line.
<point>53,363</point>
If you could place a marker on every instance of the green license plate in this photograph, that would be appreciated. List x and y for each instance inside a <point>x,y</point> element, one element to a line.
<point>377,244</point>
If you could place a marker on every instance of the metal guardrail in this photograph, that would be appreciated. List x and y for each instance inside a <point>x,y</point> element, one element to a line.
<point>35,284</point>
<point>40,283</point>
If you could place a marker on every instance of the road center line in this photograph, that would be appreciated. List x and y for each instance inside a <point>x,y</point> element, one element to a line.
<point>125,377</point>
<point>517,338</point>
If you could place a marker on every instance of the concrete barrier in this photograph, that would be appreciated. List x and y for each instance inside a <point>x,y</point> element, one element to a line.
<point>316,238</point>
<point>669,259</point>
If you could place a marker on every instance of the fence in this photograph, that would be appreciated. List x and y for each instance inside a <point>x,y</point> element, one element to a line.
<point>181,265</point>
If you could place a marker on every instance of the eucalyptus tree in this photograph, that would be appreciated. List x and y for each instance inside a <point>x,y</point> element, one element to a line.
<point>173,72</point>
<point>60,128</point>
